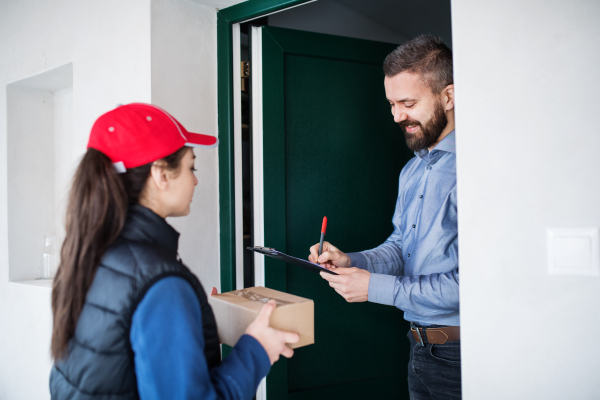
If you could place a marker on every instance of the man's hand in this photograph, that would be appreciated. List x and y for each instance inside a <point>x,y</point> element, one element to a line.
<point>331,257</point>
<point>351,283</point>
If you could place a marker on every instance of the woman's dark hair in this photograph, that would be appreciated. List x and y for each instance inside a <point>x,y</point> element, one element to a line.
<point>96,213</point>
<point>426,56</point>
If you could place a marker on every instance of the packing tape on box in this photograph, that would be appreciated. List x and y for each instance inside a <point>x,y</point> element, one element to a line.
<point>253,296</point>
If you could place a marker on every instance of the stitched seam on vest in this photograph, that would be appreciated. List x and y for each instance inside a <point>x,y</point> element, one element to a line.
<point>129,320</point>
<point>102,308</point>
<point>136,270</point>
<point>90,393</point>
<point>116,271</point>
<point>106,353</point>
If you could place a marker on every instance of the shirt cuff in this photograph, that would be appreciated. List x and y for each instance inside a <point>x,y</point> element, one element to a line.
<point>381,289</point>
<point>358,260</point>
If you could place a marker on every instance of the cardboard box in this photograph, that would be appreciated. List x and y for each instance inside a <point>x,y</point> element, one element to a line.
<point>234,311</point>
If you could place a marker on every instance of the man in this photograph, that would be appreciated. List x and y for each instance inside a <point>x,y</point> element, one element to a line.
<point>416,269</point>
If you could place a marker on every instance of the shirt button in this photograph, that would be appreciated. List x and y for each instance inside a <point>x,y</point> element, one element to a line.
<point>429,168</point>
<point>414,226</point>
<point>421,196</point>
<point>409,254</point>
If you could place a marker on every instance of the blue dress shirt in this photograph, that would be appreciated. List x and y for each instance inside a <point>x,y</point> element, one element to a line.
<point>168,345</point>
<point>416,268</point>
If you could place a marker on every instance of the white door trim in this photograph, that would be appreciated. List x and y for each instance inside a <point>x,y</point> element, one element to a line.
<point>237,157</point>
<point>257,169</point>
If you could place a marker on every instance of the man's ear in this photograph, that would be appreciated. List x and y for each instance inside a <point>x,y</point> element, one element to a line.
<point>448,97</point>
<point>159,177</point>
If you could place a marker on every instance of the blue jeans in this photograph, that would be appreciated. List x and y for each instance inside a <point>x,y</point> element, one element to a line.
<point>434,370</point>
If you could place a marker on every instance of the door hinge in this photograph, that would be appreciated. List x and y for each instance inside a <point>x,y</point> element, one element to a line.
<point>245,68</point>
<point>245,72</point>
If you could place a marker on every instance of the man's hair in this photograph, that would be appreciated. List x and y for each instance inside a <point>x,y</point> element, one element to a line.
<point>426,56</point>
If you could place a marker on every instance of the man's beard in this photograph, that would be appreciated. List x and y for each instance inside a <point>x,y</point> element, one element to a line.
<point>429,133</point>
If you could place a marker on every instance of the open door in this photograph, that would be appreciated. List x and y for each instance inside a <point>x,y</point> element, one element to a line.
<point>326,144</point>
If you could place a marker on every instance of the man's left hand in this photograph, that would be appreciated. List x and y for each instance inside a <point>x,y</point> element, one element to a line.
<point>350,283</point>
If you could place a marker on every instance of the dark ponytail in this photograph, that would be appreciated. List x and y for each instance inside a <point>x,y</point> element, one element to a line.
<point>96,213</point>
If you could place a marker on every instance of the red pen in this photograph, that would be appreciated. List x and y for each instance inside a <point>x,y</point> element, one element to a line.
<point>323,228</point>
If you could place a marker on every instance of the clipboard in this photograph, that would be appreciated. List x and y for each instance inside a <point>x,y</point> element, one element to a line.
<point>268,251</point>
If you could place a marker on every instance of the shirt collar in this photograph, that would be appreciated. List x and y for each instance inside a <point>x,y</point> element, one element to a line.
<point>447,144</point>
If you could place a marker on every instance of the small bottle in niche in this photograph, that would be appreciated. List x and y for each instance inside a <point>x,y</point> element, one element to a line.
<point>49,257</point>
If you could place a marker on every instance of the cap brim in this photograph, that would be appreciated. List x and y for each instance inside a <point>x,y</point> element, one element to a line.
<point>200,140</point>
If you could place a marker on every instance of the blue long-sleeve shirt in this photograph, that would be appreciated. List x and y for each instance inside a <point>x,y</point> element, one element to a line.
<point>416,268</point>
<point>168,344</point>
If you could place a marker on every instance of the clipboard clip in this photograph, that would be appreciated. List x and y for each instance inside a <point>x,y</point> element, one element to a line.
<point>264,250</point>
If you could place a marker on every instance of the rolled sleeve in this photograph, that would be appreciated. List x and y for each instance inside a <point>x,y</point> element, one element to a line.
<point>358,260</point>
<point>383,259</point>
<point>381,289</point>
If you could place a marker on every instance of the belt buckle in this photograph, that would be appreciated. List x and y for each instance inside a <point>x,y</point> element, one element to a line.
<point>413,326</point>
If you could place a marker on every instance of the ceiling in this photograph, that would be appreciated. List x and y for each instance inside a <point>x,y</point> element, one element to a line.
<point>408,17</point>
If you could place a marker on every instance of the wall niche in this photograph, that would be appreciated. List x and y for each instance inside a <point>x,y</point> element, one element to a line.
<point>39,167</point>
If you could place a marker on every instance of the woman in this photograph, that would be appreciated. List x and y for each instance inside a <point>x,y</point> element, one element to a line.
<point>130,320</point>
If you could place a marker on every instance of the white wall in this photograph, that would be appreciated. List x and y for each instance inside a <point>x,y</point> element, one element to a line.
<point>67,148</point>
<point>526,77</point>
<point>108,44</point>
<point>184,82</point>
<point>527,84</point>
<point>157,51</point>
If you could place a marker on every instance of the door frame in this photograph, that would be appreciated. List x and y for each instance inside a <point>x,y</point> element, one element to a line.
<point>226,19</point>
<point>229,117</point>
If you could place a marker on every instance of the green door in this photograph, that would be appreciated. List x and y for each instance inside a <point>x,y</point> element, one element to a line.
<point>331,149</point>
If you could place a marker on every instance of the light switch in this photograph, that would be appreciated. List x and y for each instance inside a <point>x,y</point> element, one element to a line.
<point>573,252</point>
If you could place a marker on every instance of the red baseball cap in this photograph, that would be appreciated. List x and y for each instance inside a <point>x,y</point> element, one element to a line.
<point>136,134</point>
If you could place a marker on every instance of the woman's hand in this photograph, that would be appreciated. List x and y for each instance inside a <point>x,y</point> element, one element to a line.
<point>272,340</point>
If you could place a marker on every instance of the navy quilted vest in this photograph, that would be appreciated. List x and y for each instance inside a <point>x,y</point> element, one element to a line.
<point>100,362</point>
